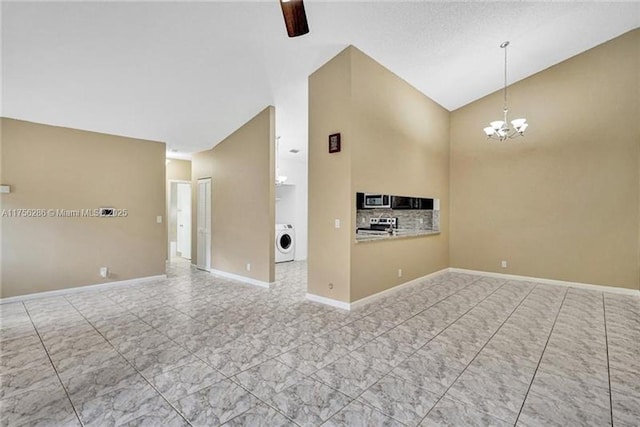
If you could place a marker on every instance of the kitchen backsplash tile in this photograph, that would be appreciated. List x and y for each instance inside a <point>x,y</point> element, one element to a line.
<point>407,218</point>
<point>436,220</point>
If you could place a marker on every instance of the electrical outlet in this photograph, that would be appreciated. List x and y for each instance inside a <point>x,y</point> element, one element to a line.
<point>364,220</point>
<point>104,272</point>
<point>248,266</point>
<point>399,272</point>
<point>159,219</point>
<point>337,223</point>
<point>503,264</point>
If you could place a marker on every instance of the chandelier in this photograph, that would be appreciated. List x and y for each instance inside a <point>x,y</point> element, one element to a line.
<point>500,129</point>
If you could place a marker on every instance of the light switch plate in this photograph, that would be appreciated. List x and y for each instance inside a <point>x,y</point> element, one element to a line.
<point>337,223</point>
<point>159,219</point>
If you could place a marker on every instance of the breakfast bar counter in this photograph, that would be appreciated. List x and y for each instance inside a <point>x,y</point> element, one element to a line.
<point>396,234</point>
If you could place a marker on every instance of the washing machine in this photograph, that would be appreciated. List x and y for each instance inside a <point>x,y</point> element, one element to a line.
<point>285,242</point>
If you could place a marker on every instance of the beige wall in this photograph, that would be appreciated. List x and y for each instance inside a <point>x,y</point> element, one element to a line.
<point>178,170</point>
<point>241,168</point>
<point>563,202</point>
<point>394,140</point>
<point>401,146</point>
<point>330,196</point>
<point>51,167</point>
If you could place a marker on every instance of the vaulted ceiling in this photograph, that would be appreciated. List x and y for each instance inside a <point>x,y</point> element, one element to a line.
<point>190,73</point>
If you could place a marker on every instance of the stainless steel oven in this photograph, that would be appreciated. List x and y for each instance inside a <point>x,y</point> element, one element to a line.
<point>377,201</point>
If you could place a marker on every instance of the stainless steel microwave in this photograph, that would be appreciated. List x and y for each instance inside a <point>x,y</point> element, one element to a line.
<point>377,201</point>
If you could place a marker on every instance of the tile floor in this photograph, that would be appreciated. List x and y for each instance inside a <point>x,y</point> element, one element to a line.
<point>195,349</point>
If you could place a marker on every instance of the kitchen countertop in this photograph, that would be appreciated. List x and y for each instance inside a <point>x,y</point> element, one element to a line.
<point>397,234</point>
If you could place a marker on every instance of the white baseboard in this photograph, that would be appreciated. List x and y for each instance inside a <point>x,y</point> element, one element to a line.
<point>387,292</point>
<point>599,288</point>
<point>366,300</point>
<point>240,278</point>
<point>81,288</point>
<point>359,303</point>
<point>328,301</point>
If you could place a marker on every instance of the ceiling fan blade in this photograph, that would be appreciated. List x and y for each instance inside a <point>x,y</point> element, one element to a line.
<point>295,17</point>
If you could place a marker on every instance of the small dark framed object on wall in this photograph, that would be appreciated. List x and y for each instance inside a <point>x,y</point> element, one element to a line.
<point>334,143</point>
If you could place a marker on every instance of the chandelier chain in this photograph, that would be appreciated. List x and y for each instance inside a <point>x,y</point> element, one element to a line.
<point>505,76</point>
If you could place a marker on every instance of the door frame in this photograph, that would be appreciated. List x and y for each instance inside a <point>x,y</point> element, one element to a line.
<point>208,261</point>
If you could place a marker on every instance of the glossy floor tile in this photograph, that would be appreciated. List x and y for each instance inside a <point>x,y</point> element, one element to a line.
<point>201,350</point>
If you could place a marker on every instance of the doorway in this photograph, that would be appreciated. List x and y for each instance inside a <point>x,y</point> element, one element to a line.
<point>179,219</point>
<point>184,221</point>
<point>203,220</point>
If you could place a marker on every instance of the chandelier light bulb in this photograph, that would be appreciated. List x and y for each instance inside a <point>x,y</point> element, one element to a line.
<point>517,123</point>
<point>497,125</point>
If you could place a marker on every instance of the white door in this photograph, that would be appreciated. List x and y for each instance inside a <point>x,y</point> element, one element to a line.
<point>184,220</point>
<point>204,224</point>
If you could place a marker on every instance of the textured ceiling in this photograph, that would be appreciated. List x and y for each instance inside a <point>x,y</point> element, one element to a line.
<point>191,73</point>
